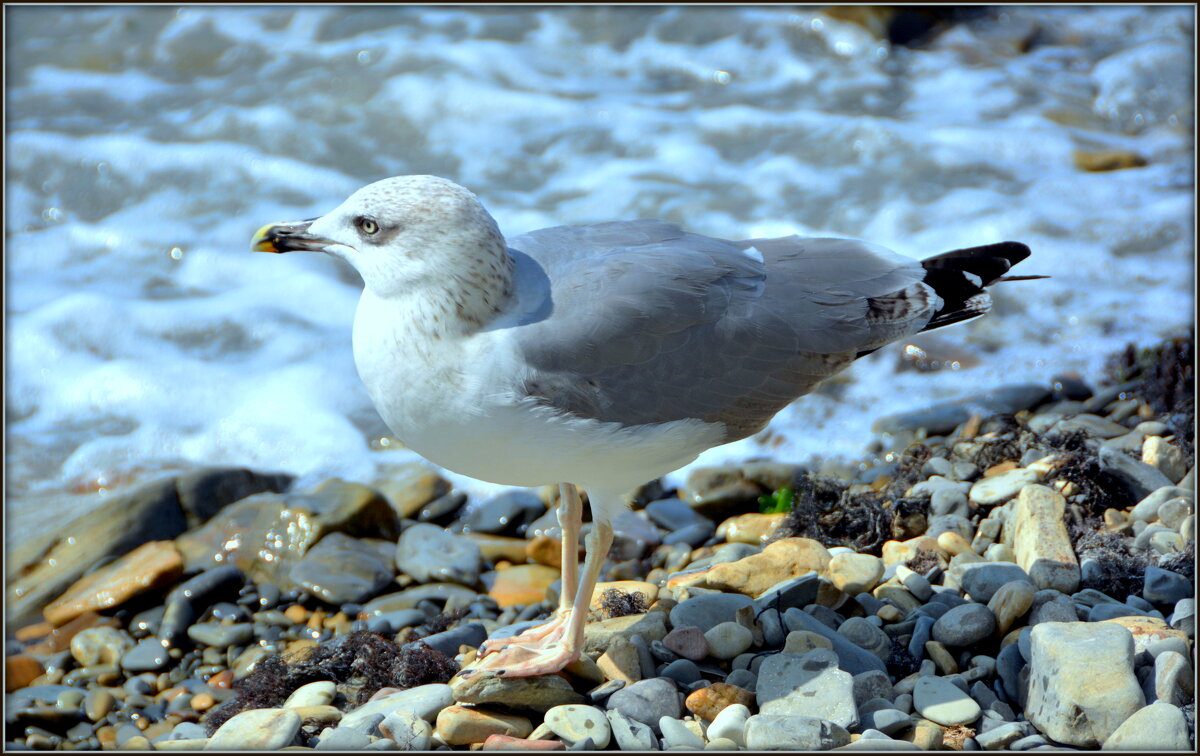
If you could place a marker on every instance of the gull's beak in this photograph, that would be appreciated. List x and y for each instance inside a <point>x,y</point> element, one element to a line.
<point>288,237</point>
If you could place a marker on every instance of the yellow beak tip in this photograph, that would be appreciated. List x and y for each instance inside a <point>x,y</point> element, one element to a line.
<point>260,242</point>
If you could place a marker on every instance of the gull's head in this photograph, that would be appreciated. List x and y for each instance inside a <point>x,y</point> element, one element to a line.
<point>404,235</point>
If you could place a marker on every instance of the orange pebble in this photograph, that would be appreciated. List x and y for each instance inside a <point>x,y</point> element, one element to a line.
<point>296,613</point>
<point>223,679</point>
<point>203,701</point>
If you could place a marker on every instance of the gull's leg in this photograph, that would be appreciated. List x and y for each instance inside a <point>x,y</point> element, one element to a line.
<point>570,521</point>
<point>563,644</point>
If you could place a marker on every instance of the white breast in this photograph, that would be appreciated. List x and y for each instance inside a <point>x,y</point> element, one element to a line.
<point>452,400</point>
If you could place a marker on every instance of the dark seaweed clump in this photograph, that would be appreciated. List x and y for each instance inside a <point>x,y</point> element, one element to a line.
<point>1121,571</point>
<point>618,603</point>
<point>1164,376</point>
<point>359,663</point>
<point>825,511</point>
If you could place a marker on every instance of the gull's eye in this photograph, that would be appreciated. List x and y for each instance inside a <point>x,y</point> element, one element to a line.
<point>368,226</point>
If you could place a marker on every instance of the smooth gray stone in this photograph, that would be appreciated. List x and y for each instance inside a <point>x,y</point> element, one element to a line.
<point>505,513</point>
<point>149,655</point>
<point>343,739</point>
<point>708,610</point>
<point>796,592</point>
<point>774,629</point>
<point>832,619</point>
<point>340,569</point>
<point>1050,605</point>
<point>693,535</point>
<point>1102,612</point>
<point>965,625</point>
<point>1139,478</point>
<point>810,685</point>
<point>873,684</point>
<point>981,580</point>
<point>887,721</point>
<point>188,600</point>
<point>648,701</point>
<point>1157,727</point>
<point>1166,587</point>
<point>851,658</point>
<point>922,633</point>
<point>683,671</point>
<point>789,732</point>
<point>218,635</point>
<point>424,700</point>
<point>879,745</point>
<point>675,733</point>
<point>865,635</point>
<point>430,554</point>
<point>1003,735</point>
<point>448,641</point>
<point>1009,664</point>
<point>674,514</point>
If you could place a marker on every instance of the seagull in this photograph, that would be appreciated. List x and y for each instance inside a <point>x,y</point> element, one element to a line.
<point>603,356</point>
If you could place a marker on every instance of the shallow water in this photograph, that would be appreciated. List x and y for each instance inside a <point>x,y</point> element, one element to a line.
<point>146,144</point>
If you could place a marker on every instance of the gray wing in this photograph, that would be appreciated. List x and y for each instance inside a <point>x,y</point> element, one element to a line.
<point>648,323</point>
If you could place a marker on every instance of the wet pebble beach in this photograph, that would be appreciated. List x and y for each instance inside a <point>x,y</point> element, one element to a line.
<point>1010,573</point>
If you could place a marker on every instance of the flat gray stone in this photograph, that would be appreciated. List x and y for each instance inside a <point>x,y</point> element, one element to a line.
<point>939,700</point>
<point>424,700</point>
<point>965,625</point>
<point>790,732</point>
<point>810,685</point>
<point>708,610</point>
<point>981,580</point>
<point>851,658</point>
<point>648,701</point>
<point>430,554</point>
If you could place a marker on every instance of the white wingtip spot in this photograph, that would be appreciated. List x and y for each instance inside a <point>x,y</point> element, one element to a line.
<point>753,254</point>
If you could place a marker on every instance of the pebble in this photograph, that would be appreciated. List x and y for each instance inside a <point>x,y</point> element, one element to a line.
<point>800,642</point>
<point>1165,587</point>
<point>647,701</point>
<point>708,610</point>
<point>727,640</point>
<point>1157,727</point>
<point>522,584</point>
<point>1010,603</point>
<point>866,635</point>
<point>675,734</point>
<point>342,739</point>
<point>809,685</point>
<point>964,625</point>
<point>939,700</point>
<point>631,734</point>
<point>428,553</point>
<point>256,730</point>
<point>855,573</point>
<point>687,641</point>
<point>313,694</point>
<point>790,732</point>
<point>221,635</point>
<point>998,489</point>
<point>460,725</point>
<point>508,512</point>
<point>573,723</point>
<point>100,645</point>
<point>850,657</point>
<point>1173,678</point>
<point>341,569</point>
<point>1072,699</point>
<point>1139,478</point>
<point>981,580</point>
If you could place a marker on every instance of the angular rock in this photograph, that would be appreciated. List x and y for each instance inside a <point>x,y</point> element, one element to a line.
<point>998,489</point>
<point>1072,698</point>
<point>708,702</point>
<point>809,685</point>
<point>630,734</point>
<point>652,626</point>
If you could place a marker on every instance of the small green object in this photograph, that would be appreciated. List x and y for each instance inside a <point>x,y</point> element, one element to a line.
<point>780,501</point>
